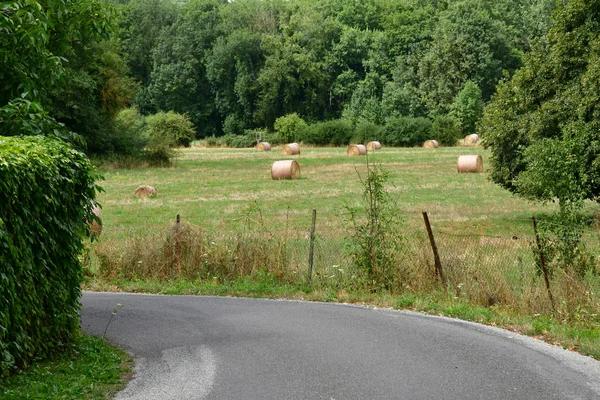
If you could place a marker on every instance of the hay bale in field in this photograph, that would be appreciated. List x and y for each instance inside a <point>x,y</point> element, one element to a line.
<point>263,146</point>
<point>431,144</point>
<point>357,150</point>
<point>144,191</point>
<point>95,227</point>
<point>291,149</point>
<point>285,169</point>
<point>471,139</point>
<point>470,163</point>
<point>373,145</point>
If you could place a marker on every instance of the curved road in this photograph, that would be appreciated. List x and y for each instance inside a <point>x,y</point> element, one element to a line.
<point>189,347</point>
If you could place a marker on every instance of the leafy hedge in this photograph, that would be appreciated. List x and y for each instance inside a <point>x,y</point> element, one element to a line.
<point>336,132</point>
<point>46,193</point>
<point>406,131</point>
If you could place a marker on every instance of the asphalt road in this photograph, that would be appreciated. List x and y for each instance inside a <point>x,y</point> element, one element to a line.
<point>189,347</point>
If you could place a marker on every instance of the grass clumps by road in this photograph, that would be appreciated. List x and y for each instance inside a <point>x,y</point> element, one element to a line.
<point>91,369</point>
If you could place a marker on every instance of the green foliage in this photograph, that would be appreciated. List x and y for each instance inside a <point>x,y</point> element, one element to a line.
<point>23,117</point>
<point>287,127</point>
<point>542,125</point>
<point>366,131</point>
<point>131,128</point>
<point>468,107</point>
<point>239,141</point>
<point>406,131</point>
<point>334,132</point>
<point>170,128</point>
<point>97,89</point>
<point>561,245</point>
<point>46,192</point>
<point>374,239</point>
<point>166,131</point>
<point>239,65</point>
<point>446,130</point>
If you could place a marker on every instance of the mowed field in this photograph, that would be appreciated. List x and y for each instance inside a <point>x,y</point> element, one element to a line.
<point>210,187</point>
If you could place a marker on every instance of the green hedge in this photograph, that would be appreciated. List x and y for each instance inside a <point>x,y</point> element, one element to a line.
<point>46,192</point>
<point>336,132</point>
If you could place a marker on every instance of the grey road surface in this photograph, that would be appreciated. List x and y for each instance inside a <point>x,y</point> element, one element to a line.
<point>188,347</point>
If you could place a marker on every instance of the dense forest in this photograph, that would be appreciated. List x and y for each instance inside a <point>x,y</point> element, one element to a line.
<point>413,66</point>
<point>234,66</point>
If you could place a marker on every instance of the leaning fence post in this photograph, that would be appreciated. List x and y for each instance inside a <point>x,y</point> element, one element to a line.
<point>312,247</point>
<point>436,256</point>
<point>543,263</point>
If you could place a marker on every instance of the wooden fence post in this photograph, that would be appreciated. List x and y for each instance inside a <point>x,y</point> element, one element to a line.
<point>543,263</point>
<point>178,244</point>
<point>312,246</point>
<point>436,256</point>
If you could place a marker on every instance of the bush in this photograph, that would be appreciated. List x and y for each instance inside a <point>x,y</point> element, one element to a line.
<point>446,130</point>
<point>240,141</point>
<point>406,131</point>
<point>46,193</point>
<point>130,127</point>
<point>170,129</point>
<point>166,131</point>
<point>288,127</point>
<point>337,132</point>
<point>366,131</point>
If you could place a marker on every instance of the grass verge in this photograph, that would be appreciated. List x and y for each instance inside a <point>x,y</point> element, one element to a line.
<point>92,369</point>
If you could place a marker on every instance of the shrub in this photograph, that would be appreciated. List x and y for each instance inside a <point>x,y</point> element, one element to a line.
<point>366,131</point>
<point>288,127</point>
<point>130,127</point>
<point>406,131</point>
<point>337,132</point>
<point>374,240</point>
<point>446,130</point>
<point>170,129</point>
<point>46,194</point>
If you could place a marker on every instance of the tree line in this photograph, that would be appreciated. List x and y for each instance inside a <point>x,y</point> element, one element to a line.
<point>237,66</point>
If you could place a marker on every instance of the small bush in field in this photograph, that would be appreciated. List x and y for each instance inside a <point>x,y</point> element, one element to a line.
<point>446,130</point>
<point>406,131</point>
<point>287,128</point>
<point>131,138</point>
<point>170,128</point>
<point>166,131</point>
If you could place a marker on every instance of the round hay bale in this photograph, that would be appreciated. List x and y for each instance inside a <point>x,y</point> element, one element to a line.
<point>431,144</point>
<point>144,191</point>
<point>374,145</point>
<point>471,139</point>
<point>285,169</point>
<point>263,146</point>
<point>357,150</point>
<point>291,149</point>
<point>95,227</point>
<point>471,163</point>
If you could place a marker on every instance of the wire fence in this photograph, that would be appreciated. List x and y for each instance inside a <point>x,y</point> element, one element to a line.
<point>489,269</point>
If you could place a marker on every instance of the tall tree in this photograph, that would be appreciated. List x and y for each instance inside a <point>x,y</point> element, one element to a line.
<point>542,126</point>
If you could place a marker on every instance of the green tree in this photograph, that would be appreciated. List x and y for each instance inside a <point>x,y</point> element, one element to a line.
<point>468,107</point>
<point>468,44</point>
<point>43,47</point>
<point>288,126</point>
<point>542,126</point>
<point>141,23</point>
